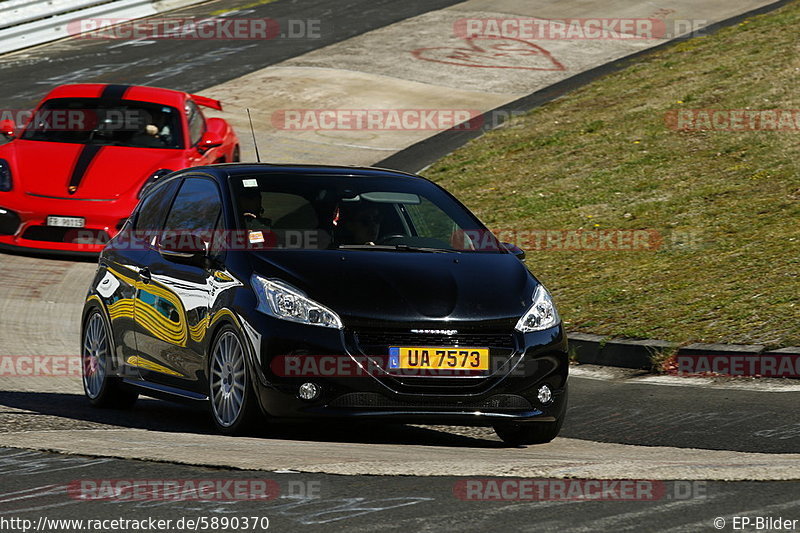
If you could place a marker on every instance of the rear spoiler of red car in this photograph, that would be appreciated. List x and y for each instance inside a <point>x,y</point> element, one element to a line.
<point>207,102</point>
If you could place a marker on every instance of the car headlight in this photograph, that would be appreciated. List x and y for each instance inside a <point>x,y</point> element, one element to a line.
<point>540,315</point>
<point>152,180</point>
<point>5,176</point>
<point>283,301</point>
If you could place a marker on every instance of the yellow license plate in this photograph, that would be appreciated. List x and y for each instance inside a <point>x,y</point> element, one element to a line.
<point>427,357</point>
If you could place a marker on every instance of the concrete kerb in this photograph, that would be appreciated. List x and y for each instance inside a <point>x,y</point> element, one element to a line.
<point>591,349</point>
<point>720,349</point>
<point>643,354</point>
<point>789,350</point>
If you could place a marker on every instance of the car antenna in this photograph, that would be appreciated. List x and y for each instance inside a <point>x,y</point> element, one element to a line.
<point>252,131</point>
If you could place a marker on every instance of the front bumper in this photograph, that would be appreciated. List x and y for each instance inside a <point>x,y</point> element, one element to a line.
<point>23,223</point>
<point>507,392</point>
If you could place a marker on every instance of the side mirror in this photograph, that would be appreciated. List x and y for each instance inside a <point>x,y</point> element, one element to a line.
<point>518,252</point>
<point>7,128</point>
<point>182,247</point>
<point>214,135</point>
<point>208,141</point>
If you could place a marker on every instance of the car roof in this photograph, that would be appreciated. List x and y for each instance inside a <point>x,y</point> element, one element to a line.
<point>125,92</point>
<point>233,170</point>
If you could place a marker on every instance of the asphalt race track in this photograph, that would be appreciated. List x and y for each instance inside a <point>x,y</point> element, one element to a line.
<point>726,449</point>
<point>195,64</point>
<point>34,488</point>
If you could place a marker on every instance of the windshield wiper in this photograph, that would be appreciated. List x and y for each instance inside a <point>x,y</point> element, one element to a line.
<point>429,249</point>
<point>396,248</point>
<point>381,247</point>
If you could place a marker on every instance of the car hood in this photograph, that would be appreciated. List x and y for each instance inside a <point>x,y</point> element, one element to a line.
<point>97,172</point>
<point>406,286</point>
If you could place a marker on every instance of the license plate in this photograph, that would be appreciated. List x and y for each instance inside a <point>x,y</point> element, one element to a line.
<point>66,222</point>
<point>428,357</point>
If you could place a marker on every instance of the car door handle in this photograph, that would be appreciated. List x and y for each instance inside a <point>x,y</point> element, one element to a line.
<point>144,275</point>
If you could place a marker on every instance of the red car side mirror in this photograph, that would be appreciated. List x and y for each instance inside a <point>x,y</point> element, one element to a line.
<point>214,135</point>
<point>7,128</point>
<point>208,141</point>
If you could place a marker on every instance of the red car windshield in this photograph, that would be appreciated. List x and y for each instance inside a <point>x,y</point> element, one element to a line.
<point>95,121</point>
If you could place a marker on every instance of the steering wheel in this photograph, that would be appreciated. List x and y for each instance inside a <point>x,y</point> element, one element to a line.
<point>385,238</point>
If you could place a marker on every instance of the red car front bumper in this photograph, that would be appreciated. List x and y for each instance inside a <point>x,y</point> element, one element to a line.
<point>23,226</point>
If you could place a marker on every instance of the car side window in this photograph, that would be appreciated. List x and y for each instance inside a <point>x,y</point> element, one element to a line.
<point>216,248</point>
<point>197,123</point>
<point>154,207</point>
<point>196,208</point>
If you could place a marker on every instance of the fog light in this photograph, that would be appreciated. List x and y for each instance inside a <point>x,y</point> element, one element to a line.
<point>545,395</point>
<point>309,391</point>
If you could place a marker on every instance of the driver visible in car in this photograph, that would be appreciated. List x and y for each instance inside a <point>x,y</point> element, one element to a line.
<point>155,132</point>
<point>357,223</point>
<point>252,211</point>
<point>147,136</point>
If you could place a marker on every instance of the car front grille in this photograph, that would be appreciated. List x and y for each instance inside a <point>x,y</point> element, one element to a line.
<point>70,235</point>
<point>372,400</point>
<point>382,339</point>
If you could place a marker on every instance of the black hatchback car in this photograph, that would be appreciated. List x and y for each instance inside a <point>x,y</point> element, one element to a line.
<point>313,291</point>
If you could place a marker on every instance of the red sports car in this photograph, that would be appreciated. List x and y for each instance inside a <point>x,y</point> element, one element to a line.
<point>73,173</point>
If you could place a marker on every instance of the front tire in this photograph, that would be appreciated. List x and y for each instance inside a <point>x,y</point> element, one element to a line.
<point>101,388</point>
<point>233,402</point>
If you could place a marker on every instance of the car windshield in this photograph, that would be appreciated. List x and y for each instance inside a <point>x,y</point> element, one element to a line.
<point>95,121</point>
<point>356,213</point>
